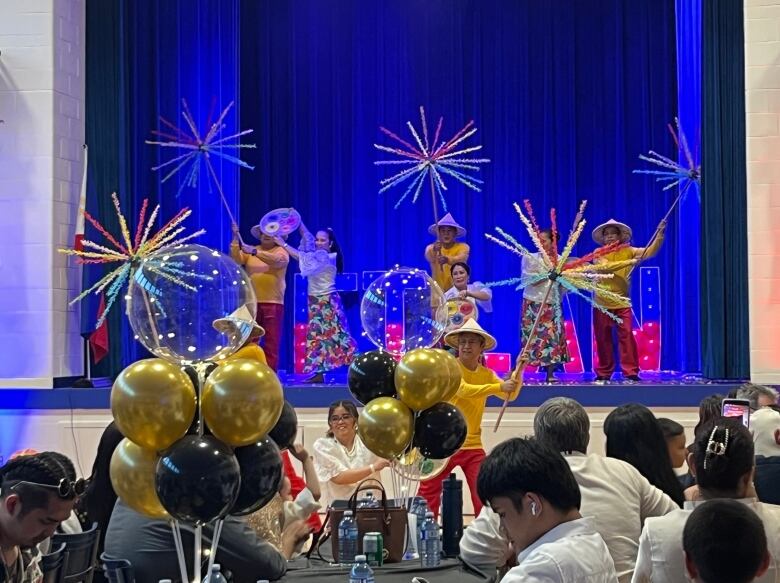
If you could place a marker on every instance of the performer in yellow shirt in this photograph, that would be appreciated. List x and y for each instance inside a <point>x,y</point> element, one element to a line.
<point>241,318</point>
<point>446,251</point>
<point>266,265</point>
<point>611,232</point>
<point>479,383</point>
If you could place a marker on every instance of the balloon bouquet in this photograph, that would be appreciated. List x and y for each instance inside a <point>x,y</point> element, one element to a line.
<point>405,385</point>
<point>199,429</point>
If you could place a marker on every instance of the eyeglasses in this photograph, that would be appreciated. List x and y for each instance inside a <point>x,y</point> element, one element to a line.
<point>65,488</point>
<point>337,418</point>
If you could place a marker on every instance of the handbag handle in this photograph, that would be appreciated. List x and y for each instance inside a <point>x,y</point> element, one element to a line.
<point>361,487</point>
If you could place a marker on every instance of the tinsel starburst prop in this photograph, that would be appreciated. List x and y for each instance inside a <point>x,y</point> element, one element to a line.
<point>433,158</point>
<point>199,147</point>
<point>579,276</point>
<point>671,170</point>
<point>129,253</point>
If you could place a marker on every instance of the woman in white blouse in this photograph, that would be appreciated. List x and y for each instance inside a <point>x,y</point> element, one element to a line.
<point>341,460</point>
<point>476,293</point>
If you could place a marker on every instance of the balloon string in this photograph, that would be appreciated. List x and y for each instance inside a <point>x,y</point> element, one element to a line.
<point>198,549</point>
<point>437,265</point>
<point>214,546</point>
<point>179,549</point>
<point>521,360</point>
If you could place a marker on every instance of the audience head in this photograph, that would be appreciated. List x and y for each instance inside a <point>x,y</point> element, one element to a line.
<point>709,408</point>
<point>674,434</point>
<point>722,459</point>
<point>634,436</point>
<point>563,424</point>
<point>36,495</point>
<point>531,488</point>
<point>342,420</point>
<point>712,555</point>
<point>758,395</point>
<point>765,425</point>
<point>99,499</point>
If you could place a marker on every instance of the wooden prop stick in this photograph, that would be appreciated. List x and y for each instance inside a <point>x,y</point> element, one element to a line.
<point>521,360</point>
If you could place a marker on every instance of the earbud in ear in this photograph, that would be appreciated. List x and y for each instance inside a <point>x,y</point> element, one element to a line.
<point>533,508</point>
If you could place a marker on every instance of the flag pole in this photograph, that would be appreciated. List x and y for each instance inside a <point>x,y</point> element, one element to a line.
<point>86,381</point>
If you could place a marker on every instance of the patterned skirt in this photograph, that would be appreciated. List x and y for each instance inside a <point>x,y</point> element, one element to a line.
<point>549,344</point>
<point>328,343</point>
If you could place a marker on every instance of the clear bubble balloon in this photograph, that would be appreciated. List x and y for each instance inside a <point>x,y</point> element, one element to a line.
<point>201,307</point>
<point>402,310</point>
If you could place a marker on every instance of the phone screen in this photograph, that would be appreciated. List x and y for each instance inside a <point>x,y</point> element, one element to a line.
<point>732,409</point>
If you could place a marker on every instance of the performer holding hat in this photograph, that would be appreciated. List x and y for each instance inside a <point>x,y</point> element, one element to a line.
<point>610,232</point>
<point>446,251</point>
<point>479,382</point>
<point>266,265</point>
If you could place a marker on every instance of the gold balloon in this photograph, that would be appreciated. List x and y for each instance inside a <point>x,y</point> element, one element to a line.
<point>153,402</point>
<point>422,378</point>
<point>386,427</point>
<point>455,375</point>
<point>242,401</point>
<point>132,472</point>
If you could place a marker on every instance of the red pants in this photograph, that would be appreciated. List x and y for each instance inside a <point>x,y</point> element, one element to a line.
<point>271,318</point>
<point>469,461</point>
<point>602,329</point>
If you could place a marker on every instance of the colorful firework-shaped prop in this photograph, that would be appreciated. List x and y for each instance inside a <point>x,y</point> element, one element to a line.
<point>577,276</point>
<point>132,251</point>
<point>432,158</point>
<point>200,147</point>
<point>671,170</point>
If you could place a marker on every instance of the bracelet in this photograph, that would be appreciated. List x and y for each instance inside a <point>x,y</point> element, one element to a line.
<point>371,467</point>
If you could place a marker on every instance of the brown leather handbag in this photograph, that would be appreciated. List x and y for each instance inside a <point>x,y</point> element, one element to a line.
<point>389,518</point>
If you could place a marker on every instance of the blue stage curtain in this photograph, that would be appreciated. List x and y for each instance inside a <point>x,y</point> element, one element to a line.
<point>724,297</point>
<point>565,94</point>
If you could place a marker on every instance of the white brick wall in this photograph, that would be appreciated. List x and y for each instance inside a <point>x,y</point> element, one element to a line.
<point>42,105</point>
<point>762,85</point>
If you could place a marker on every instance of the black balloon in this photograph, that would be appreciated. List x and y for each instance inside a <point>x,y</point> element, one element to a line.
<point>193,374</point>
<point>371,375</point>
<point>261,475</point>
<point>440,431</point>
<point>286,428</point>
<point>198,479</point>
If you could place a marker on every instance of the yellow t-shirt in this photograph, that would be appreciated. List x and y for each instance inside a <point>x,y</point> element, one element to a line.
<point>619,283</point>
<point>267,276</point>
<point>476,386</point>
<point>441,273</point>
<point>249,351</point>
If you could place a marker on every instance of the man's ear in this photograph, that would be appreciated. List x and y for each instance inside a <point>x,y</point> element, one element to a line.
<point>12,504</point>
<point>691,465</point>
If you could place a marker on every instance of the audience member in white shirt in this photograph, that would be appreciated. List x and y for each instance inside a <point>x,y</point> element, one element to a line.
<point>722,461</point>
<point>532,490</point>
<point>711,557</point>
<point>614,494</point>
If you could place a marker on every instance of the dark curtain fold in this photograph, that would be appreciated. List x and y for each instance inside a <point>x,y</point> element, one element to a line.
<point>724,283</point>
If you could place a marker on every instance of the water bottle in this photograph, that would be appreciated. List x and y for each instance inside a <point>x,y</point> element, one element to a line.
<point>368,501</point>
<point>215,576</point>
<point>421,511</point>
<point>361,572</point>
<point>348,538</point>
<point>452,516</point>
<point>430,543</point>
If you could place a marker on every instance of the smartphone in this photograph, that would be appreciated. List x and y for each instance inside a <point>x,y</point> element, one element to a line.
<point>737,408</point>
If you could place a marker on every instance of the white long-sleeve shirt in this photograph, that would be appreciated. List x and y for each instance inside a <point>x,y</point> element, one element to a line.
<point>661,559</point>
<point>614,494</point>
<point>572,551</point>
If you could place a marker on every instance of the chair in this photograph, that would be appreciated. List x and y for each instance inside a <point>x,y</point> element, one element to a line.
<point>117,570</point>
<point>80,553</point>
<point>53,565</point>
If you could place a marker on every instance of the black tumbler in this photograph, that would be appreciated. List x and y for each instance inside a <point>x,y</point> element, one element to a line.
<point>452,516</point>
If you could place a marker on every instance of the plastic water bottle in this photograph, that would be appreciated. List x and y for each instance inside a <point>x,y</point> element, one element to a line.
<point>368,501</point>
<point>430,543</point>
<point>215,576</point>
<point>361,572</point>
<point>348,539</point>
<point>421,511</point>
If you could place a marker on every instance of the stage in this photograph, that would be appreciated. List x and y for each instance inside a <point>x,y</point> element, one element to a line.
<point>656,390</point>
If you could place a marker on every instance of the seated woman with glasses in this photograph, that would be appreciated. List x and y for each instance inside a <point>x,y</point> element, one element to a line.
<point>341,459</point>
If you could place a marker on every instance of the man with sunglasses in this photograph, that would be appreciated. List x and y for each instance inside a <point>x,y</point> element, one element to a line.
<point>35,497</point>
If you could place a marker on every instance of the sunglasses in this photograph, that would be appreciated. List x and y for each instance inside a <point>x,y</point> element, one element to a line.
<point>337,418</point>
<point>65,488</point>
